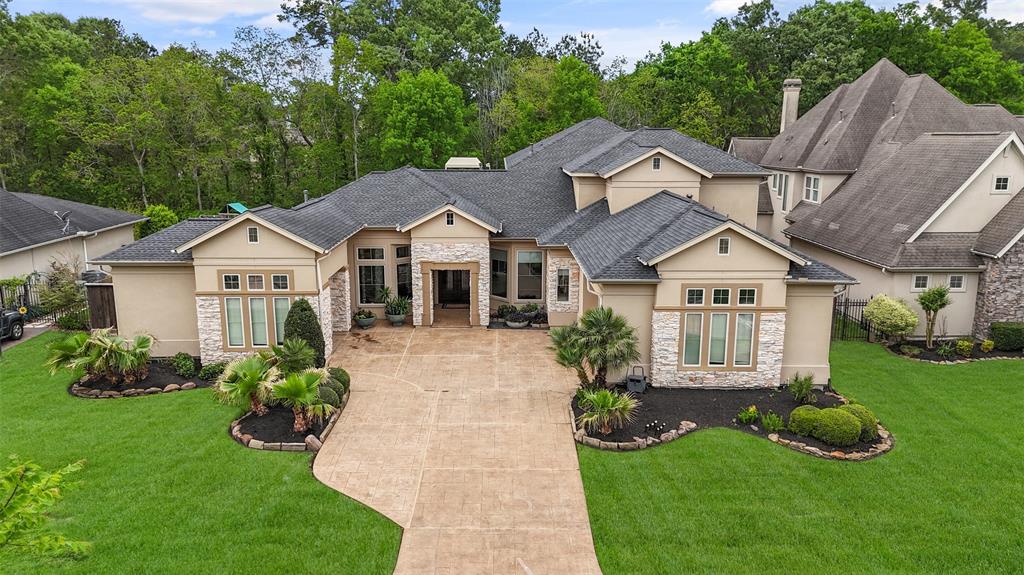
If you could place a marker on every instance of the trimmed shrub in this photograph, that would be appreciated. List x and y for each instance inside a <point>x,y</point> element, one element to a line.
<point>333,384</point>
<point>803,419</point>
<point>987,346</point>
<point>505,309</point>
<point>836,427</point>
<point>184,364</point>
<point>946,351</point>
<point>212,371</point>
<point>74,321</point>
<point>772,422</point>
<point>890,315</point>
<point>910,350</point>
<point>341,376</point>
<point>1008,336</point>
<point>748,415</point>
<point>868,421</point>
<point>328,396</point>
<point>965,347</point>
<point>802,388</point>
<point>303,324</point>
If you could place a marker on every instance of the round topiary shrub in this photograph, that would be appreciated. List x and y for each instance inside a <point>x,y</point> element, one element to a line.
<point>868,421</point>
<point>341,376</point>
<point>303,324</point>
<point>328,396</point>
<point>184,364</point>
<point>333,384</point>
<point>803,419</point>
<point>836,427</point>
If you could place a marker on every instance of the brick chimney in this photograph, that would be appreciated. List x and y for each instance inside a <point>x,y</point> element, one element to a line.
<point>790,102</point>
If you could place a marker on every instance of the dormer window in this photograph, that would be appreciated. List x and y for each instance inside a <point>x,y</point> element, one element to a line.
<point>656,164</point>
<point>449,219</point>
<point>724,246</point>
<point>253,234</point>
<point>812,188</point>
<point>1001,185</point>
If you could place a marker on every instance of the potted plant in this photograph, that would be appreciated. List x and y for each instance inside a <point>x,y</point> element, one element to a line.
<point>517,320</point>
<point>530,309</point>
<point>396,309</point>
<point>365,318</point>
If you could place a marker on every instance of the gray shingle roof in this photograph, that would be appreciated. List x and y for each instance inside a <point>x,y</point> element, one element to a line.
<point>764,200</point>
<point>880,208</point>
<point>1001,229</point>
<point>750,149</point>
<point>27,220</point>
<point>628,146</point>
<point>864,122</point>
<point>159,247</point>
<point>939,250</point>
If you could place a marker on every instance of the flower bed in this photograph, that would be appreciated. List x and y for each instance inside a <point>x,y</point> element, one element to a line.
<point>161,379</point>
<point>932,356</point>
<point>666,414</point>
<point>273,431</point>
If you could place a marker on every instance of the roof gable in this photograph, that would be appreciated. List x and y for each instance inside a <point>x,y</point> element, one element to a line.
<point>249,216</point>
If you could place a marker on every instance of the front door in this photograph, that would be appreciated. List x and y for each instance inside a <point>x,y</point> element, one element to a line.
<point>453,287</point>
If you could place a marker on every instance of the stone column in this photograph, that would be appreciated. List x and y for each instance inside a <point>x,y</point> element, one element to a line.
<point>341,301</point>
<point>553,265</point>
<point>450,253</point>
<point>1000,291</point>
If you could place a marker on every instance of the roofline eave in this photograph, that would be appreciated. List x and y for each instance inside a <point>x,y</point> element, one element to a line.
<point>84,234</point>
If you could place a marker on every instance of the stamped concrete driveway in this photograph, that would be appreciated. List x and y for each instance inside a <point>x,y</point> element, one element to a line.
<point>462,437</point>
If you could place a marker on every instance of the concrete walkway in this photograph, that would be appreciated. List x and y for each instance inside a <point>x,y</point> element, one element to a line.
<point>462,437</point>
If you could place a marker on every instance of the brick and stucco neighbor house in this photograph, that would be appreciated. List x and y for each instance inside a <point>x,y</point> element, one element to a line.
<point>895,181</point>
<point>656,225</point>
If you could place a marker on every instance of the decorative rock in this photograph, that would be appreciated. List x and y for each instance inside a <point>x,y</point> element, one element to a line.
<point>110,394</point>
<point>814,451</point>
<point>668,436</point>
<point>94,393</point>
<point>293,447</point>
<point>754,427</point>
<point>838,454</point>
<point>313,443</point>
<point>882,432</point>
<point>246,438</point>
<point>688,425</point>
<point>153,390</point>
<point>189,385</point>
<point>172,387</point>
<point>272,446</point>
<point>773,437</point>
<point>255,444</point>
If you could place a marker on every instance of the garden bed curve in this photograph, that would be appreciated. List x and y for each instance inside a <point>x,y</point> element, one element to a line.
<point>162,379</point>
<point>311,442</point>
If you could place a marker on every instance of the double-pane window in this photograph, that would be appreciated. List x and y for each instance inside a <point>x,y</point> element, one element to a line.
<point>530,266</point>
<point>233,311</point>
<point>744,347</point>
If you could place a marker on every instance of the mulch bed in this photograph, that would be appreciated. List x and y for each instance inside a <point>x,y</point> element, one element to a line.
<point>276,427</point>
<point>931,355</point>
<point>162,379</point>
<point>716,408</point>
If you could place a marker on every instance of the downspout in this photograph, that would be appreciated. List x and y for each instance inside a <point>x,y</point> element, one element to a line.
<point>85,245</point>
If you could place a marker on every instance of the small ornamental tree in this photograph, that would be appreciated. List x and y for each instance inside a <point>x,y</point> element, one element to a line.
<point>27,494</point>
<point>160,217</point>
<point>891,316</point>
<point>303,324</point>
<point>932,301</point>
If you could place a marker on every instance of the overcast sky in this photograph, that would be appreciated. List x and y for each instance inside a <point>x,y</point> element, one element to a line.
<point>624,27</point>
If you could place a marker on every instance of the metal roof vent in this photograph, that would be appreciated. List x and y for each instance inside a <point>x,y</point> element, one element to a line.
<point>463,163</point>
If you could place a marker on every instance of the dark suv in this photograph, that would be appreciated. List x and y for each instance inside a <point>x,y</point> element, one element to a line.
<point>12,324</point>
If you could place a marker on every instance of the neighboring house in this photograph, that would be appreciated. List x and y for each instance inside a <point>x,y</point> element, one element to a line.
<point>895,181</point>
<point>35,230</point>
<point>651,223</point>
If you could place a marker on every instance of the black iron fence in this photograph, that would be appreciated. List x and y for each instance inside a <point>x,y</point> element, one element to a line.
<point>28,297</point>
<point>848,322</point>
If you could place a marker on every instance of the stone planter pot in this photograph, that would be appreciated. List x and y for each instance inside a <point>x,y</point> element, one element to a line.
<point>517,324</point>
<point>396,320</point>
<point>365,322</point>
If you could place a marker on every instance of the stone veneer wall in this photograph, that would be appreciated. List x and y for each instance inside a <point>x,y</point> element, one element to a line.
<point>1000,291</point>
<point>453,253</point>
<point>553,305</point>
<point>665,370</point>
<point>322,305</point>
<point>341,301</point>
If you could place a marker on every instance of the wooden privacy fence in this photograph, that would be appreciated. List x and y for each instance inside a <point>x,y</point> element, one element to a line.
<point>848,322</point>
<point>101,304</point>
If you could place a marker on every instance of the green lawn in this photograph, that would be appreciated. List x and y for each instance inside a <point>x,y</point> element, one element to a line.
<point>166,490</point>
<point>946,499</point>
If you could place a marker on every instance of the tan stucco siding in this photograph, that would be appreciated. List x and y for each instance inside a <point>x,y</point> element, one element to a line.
<point>587,189</point>
<point>389,240</point>
<point>329,264</point>
<point>734,197</point>
<point>38,259</point>
<point>828,184</point>
<point>436,231</point>
<point>513,248</point>
<point>957,319</point>
<point>977,205</point>
<point>640,181</point>
<point>636,303</point>
<point>231,250</point>
<point>158,300</point>
<point>808,332</point>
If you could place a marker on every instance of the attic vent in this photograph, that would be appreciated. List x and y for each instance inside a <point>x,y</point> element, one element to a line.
<point>900,228</point>
<point>463,163</point>
<point>833,226</point>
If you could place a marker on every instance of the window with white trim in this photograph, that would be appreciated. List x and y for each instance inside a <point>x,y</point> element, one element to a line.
<point>718,337</point>
<point>449,219</point>
<point>254,282</point>
<point>694,296</point>
<point>724,245</point>
<point>957,282</point>
<point>746,296</point>
<point>232,282</point>
<point>562,288</point>
<point>371,281</point>
<point>233,313</point>
<point>743,347</point>
<point>775,185</point>
<point>1001,184</point>
<point>253,234</point>
<point>812,188</point>
<point>279,282</point>
<point>529,269</point>
<point>919,283</point>
<point>281,307</point>
<point>656,164</point>
<point>258,321</point>
<point>784,191</point>
<point>720,296</point>
<point>692,333</point>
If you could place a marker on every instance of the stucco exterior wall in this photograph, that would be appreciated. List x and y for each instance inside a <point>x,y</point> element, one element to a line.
<point>231,250</point>
<point>436,230</point>
<point>587,189</point>
<point>38,259</point>
<point>640,181</point>
<point>157,300</point>
<point>734,197</point>
<point>829,183</point>
<point>513,248</point>
<point>977,205</point>
<point>636,303</point>
<point>387,239</point>
<point>1000,294</point>
<point>808,332</point>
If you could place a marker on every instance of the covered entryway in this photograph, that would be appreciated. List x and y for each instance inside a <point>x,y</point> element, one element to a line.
<point>451,298</point>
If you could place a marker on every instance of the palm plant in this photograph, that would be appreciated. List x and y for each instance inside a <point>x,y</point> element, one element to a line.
<point>300,392</point>
<point>67,354</point>
<point>293,356</point>
<point>132,358</point>
<point>607,342</point>
<point>247,381</point>
<point>568,353</point>
<point>604,408</point>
